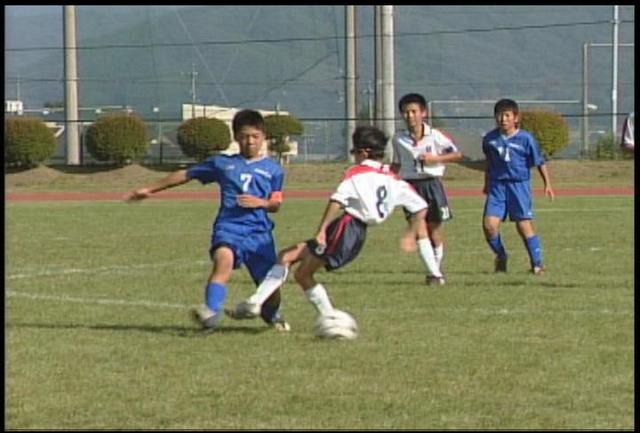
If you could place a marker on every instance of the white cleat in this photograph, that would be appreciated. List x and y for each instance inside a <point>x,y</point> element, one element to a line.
<point>243,310</point>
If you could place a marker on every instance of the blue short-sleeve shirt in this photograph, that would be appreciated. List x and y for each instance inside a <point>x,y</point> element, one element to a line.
<point>237,175</point>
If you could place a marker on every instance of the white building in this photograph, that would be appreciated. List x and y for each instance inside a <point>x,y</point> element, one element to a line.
<point>14,106</point>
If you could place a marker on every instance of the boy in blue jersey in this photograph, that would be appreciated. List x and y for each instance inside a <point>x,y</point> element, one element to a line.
<point>510,153</point>
<point>250,188</point>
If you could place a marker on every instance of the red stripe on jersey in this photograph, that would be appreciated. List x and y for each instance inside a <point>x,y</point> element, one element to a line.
<point>362,168</point>
<point>335,239</point>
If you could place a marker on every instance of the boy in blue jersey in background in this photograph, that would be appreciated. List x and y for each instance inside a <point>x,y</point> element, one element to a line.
<point>250,188</point>
<point>510,153</point>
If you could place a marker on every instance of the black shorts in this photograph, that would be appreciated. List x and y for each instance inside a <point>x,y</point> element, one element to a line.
<point>432,191</point>
<point>345,238</point>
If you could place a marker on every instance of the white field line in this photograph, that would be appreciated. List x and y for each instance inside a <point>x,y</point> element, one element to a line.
<point>132,268</point>
<point>455,310</point>
<point>120,302</point>
<point>115,268</point>
<point>545,210</point>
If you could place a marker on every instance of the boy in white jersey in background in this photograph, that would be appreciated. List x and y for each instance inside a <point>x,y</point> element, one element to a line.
<point>367,196</point>
<point>419,156</point>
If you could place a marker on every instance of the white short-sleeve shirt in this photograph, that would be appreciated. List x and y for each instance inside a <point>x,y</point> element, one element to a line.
<point>370,192</point>
<point>406,151</point>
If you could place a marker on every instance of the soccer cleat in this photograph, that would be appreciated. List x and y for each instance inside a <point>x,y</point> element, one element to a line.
<point>432,280</point>
<point>206,318</point>
<point>280,325</point>
<point>243,310</point>
<point>501,264</point>
<point>538,270</point>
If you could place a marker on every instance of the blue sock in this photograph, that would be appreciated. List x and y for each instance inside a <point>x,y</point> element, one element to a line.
<point>534,248</point>
<point>497,246</point>
<point>215,295</point>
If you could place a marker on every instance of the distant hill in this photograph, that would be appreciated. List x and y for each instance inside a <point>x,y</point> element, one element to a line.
<point>444,52</point>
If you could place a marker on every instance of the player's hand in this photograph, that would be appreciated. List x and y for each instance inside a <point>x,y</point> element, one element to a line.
<point>548,191</point>
<point>321,239</point>
<point>250,201</point>
<point>137,195</point>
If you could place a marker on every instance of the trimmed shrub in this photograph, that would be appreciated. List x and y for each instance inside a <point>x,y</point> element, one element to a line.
<point>200,138</point>
<point>549,128</point>
<point>27,141</point>
<point>608,147</point>
<point>118,138</point>
<point>279,128</point>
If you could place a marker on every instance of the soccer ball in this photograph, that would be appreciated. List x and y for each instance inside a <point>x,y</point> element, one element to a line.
<point>338,324</point>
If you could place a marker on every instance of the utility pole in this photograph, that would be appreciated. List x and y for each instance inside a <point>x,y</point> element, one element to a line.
<point>71,86</point>
<point>377,70</point>
<point>18,87</point>
<point>350,61</point>
<point>388,83</point>
<point>585,99</point>
<point>614,87</point>
<point>193,89</point>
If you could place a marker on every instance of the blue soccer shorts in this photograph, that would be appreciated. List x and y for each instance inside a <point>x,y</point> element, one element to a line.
<point>513,198</point>
<point>256,251</point>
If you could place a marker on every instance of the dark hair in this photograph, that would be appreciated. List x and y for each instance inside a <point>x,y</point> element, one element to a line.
<point>370,138</point>
<point>505,105</point>
<point>412,98</point>
<point>247,118</point>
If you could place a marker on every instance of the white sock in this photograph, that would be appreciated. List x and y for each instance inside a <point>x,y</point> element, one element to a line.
<point>275,278</point>
<point>318,296</point>
<point>428,257</point>
<point>439,253</point>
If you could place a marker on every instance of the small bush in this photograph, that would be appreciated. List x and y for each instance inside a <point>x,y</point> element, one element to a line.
<point>608,147</point>
<point>200,138</point>
<point>549,128</point>
<point>279,128</point>
<point>118,138</point>
<point>27,141</point>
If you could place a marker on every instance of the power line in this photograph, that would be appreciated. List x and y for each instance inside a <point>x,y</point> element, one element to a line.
<point>319,38</point>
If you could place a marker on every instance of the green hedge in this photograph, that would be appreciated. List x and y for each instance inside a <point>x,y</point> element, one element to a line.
<point>279,128</point>
<point>119,138</point>
<point>549,128</point>
<point>200,138</point>
<point>27,141</point>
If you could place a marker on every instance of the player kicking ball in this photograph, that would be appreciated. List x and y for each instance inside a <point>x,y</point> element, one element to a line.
<point>367,196</point>
<point>242,233</point>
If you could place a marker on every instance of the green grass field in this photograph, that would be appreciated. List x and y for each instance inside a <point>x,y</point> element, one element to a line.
<point>98,334</point>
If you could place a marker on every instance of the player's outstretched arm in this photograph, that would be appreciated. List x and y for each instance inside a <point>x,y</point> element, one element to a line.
<point>174,179</point>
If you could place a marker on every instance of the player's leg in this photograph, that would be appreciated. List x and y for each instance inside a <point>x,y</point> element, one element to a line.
<point>345,238</point>
<point>424,241</point>
<point>439,212</point>
<point>209,314</point>
<point>262,266</point>
<point>275,278</point>
<point>425,249</point>
<point>495,209</point>
<point>314,291</point>
<point>521,210</point>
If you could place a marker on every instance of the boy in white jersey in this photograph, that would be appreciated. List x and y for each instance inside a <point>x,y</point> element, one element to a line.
<point>367,196</point>
<point>419,156</point>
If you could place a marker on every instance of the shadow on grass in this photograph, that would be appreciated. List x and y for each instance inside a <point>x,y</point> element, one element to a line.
<point>179,331</point>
